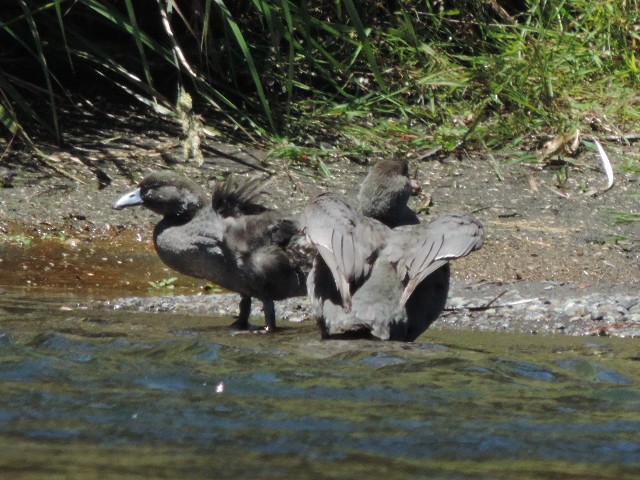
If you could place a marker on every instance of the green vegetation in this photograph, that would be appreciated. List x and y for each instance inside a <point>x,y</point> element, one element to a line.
<point>624,217</point>
<point>166,283</point>
<point>17,239</point>
<point>209,287</point>
<point>312,78</point>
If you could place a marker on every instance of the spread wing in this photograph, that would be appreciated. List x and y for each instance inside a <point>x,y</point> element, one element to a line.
<point>419,250</point>
<point>347,242</point>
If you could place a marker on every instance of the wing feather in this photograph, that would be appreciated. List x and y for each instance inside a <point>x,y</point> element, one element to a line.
<point>346,241</point>
<point>419,250</point>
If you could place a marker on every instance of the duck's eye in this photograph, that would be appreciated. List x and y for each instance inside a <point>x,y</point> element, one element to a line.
<point>145,190</point>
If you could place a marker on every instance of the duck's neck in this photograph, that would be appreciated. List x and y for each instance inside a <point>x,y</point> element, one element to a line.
<point>392,210</point>
<point>185,205</point>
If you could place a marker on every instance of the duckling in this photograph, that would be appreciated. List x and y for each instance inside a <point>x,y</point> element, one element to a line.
<point>229,239</point>
<point>372,281</point>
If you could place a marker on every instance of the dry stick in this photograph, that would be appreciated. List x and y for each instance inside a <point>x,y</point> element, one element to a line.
<point>237,160</point>
<point>8,147</point>
<point>563,195</point>
<point>430,153</point>
<point>631,137</point>
<point>484,307</point>
<point>491,302</point>
<point>517,302</point>
<point>487,305</point>
<point>47,160</point>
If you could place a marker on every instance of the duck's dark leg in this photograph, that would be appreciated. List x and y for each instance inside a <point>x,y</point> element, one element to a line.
<point>269,315</point>
<point>242,323</point>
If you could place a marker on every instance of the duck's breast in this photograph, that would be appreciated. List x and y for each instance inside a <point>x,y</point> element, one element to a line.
<point>195,249</point>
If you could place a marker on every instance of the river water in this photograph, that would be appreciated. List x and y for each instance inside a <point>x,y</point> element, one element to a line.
<point>89,393</point>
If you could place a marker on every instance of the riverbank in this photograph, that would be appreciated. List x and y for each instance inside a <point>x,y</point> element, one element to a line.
<point>555,232</point>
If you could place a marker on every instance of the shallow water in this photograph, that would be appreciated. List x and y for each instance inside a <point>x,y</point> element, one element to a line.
<point>90,393</point>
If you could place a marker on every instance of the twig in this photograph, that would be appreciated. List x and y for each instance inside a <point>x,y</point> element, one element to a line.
<point>489,305</point>
<point>228,156</point>
<point>480,209</point>
<point>46,159</point>
<point>517,302</point>
<point>484,307</point>
<point>430,153</point>
<point>563,195</point>
<point>628,138</point>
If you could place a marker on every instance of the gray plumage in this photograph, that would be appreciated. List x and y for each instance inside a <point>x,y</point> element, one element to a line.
<point>385,192</point>
<point>230,239</point>
<point>372,281</point>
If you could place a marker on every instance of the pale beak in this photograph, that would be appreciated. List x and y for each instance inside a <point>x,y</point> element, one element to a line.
<point>130,199</point>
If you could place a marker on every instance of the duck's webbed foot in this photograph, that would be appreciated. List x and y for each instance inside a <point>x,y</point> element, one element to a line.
<point>269,316</point>
<point>242,323</point>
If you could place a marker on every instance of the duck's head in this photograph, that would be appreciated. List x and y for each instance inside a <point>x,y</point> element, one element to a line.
<point>385,192</point>
<point>166,193</point>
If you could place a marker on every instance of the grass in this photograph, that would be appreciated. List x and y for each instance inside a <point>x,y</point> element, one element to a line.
<point>624,217</point>
<point>327,78</point>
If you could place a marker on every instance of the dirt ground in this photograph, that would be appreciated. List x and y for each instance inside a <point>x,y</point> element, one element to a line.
<point>536,229</point>
<point>551,233</point>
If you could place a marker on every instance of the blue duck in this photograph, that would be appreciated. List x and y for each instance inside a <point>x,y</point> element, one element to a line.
<point>371,281</point>
<point>229,239</point>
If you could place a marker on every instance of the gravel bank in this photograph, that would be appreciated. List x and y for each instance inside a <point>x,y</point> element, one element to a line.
<point>525,307</point>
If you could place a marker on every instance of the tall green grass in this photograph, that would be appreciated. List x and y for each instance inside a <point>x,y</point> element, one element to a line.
<point>337,71</point>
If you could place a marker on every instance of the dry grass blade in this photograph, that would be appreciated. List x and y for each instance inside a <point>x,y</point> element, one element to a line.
<point>180,57</point>
<point>606,164</point>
